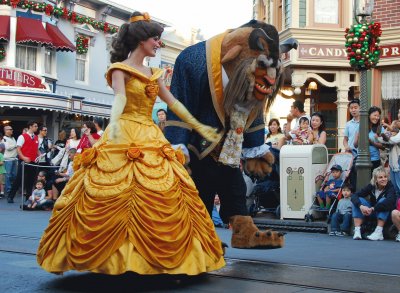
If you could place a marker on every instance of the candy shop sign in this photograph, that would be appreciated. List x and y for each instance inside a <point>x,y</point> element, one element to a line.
<point>18,78</point>
<point>312,51</point>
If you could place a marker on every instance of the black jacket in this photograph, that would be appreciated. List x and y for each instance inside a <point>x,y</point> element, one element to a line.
<point>368,192</point>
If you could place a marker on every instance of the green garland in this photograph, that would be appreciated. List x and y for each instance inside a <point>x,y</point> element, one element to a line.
<point>64,13</point>
<point>2,53</point>
<point>362,43</point>
<point>82,45</point>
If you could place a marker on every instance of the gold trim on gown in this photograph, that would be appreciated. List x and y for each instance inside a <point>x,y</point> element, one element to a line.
<point>131,205</point>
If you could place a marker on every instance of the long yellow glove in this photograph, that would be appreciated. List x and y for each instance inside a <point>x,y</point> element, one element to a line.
<point>205,131</point>
<point>116,111</point>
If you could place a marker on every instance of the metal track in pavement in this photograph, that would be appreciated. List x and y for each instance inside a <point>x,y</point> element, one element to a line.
<point>280,274</point>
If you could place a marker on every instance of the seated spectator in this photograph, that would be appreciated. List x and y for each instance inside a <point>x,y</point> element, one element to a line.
<point>98,123</point>
<point>38,195</point>
<point>48,203</point>
<point>215,213</point>
<point>377,200</point>
<point>318,128</point>
<point>74,139</point>
<point>390,129</point>
<point>296,111</point>
<point>341,219</point>
<point>303,134</point>
<point>63,177</point>
<point>89,136</point>
<point>162,119</point>
<point>396,219</point>
<point>331,188</point>
<point>274,133</point>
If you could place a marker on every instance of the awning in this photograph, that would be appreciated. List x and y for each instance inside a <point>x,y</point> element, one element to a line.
<point>4,27</point>
<point>31,30</point>
<point>60,41</point>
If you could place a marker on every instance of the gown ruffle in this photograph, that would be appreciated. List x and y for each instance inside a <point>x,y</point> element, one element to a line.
<point>131,205</point>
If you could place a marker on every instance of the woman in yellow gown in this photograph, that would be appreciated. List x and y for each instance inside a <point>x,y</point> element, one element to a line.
<point>131,205</point>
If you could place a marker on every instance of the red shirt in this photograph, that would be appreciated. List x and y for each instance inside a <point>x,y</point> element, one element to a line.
<point>85,143</point>
<point>30,147</point>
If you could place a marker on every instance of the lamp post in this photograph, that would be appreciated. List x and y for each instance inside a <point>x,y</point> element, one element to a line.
<point>362,10</point>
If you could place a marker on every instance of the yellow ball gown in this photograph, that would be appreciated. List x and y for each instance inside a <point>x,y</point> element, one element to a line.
<point>131,205</point>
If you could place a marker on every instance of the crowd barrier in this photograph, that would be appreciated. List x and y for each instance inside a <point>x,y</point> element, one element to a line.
<point>23,179</point>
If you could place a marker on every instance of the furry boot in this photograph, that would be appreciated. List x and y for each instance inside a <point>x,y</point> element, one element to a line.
<point>246,235</point>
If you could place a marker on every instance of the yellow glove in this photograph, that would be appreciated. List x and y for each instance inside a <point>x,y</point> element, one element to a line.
<point>116,111</point>
<point>205,131</point>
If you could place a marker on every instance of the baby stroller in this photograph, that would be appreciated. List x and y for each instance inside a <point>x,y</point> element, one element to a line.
<point>265,197</point>
<point>345,160</point>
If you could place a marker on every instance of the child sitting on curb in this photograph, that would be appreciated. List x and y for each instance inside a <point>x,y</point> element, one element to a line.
<point>341,219</point>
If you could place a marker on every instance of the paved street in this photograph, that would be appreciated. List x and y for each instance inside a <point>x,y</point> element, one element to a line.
<point>310,262</point>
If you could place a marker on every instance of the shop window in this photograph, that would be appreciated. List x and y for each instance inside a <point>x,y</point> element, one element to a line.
<point>26,57</point>
<point>81,65</point>
<point>302,13</point>
<point>48,60</point>
<point>326,13</point>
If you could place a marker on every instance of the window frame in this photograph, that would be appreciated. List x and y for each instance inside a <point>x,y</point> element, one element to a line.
<point>26,46</point>
<point>340,12</point>
<point>86,60</point>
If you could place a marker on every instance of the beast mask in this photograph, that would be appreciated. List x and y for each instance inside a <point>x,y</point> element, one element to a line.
<point>250,56</point>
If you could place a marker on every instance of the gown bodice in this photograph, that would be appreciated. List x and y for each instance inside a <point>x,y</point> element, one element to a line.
<point>141,92</point>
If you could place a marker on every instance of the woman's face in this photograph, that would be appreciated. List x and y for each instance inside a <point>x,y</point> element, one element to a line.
<point>374,117</point>
<point>381,179</point>
<point>315,122</point>
<point>72,134</point>
<point>151,45</point>
<point>273,128</point>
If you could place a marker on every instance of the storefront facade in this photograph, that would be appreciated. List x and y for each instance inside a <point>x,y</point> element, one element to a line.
<point>46,76</point>
<point>319,71</point>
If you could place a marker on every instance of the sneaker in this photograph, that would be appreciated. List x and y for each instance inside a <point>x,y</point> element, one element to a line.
<point>357,235</point>
<point>341,234</point>
<point>397,237</point>
<point>332,233</point>
<point>375,236</point>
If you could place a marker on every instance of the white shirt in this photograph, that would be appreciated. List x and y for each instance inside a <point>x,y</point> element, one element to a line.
<point>21,139</point>
<point>11,148</point>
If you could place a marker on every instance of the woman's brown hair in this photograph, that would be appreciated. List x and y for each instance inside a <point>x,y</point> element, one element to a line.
<point>131,34</point>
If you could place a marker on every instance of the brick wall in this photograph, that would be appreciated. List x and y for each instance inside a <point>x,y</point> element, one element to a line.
<point>387,12</point>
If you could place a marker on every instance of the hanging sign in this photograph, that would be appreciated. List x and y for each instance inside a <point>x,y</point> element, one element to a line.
<point>19,78</point>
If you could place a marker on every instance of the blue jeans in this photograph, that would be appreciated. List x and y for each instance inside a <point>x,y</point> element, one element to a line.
<point>340,222</point>
<point>358,214</point>
<point>11,173</point>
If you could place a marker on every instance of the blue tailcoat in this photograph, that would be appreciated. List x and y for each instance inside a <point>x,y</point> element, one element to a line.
<point>190,85</point>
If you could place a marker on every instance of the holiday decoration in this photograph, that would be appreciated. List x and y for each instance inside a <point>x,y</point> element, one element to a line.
<point>362,43</point>
<point>59,12</point>
<point>82,45</point>
<point>2,53</point>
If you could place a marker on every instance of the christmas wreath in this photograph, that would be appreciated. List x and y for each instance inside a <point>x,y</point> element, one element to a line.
<point>362,43</point>
<point>2,53</point>
<point>82,45</point>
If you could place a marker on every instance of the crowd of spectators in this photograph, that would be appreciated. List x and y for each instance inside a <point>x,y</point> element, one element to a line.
<point>45,165</point>
<point>376,202</point>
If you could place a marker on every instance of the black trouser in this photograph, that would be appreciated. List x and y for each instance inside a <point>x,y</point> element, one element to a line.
<point>213,178</point>
<point>30,177</point>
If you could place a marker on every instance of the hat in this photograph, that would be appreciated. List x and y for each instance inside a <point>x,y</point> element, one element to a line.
<point>337,167</point>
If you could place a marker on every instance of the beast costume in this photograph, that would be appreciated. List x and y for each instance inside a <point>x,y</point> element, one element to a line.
<point>226,82</point>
